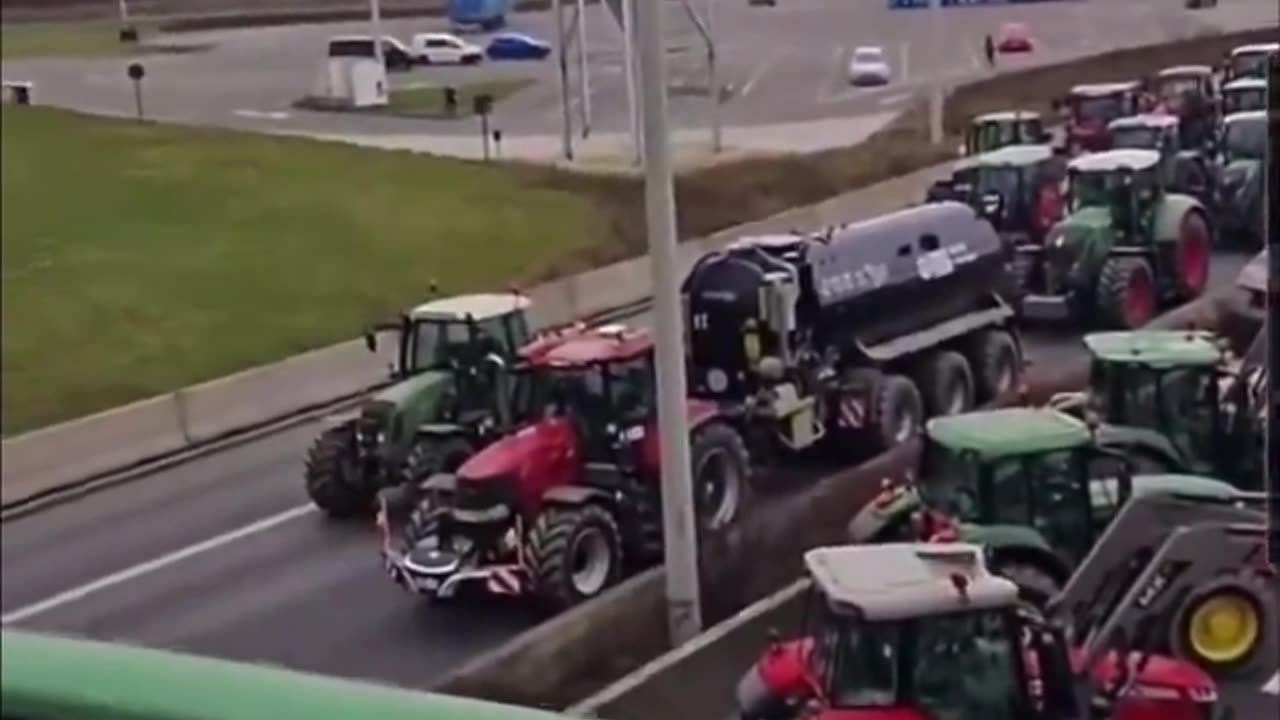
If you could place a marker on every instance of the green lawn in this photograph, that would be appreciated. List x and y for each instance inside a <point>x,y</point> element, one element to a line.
<point>427,101</point>
<point>18,41</point>
<point>141,258</point>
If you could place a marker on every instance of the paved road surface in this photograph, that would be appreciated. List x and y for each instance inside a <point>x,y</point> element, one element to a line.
<point>786,64</point>
<point>222,556</point>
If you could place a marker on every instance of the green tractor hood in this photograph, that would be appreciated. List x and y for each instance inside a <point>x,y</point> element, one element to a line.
<point>1081,240</point>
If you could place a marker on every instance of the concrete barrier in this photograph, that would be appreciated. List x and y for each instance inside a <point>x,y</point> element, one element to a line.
<point>621,628</point>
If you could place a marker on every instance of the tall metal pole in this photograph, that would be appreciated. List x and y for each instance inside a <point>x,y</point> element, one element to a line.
<point>680,542</point>
<point>566,115</point>
<point>584,75</point>
<point>1271,198</point>
<point>713,80</point>
<point>375,29</point>
<point>124,13</point>
<point>936,97</point>
<point>633,100</point>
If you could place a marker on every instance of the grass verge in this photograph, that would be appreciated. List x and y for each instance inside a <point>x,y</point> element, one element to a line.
<point>174,255</point>
<point>428,101</point>
<point>25,41</point>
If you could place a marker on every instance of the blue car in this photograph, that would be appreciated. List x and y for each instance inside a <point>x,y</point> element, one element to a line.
<point>515,46</point>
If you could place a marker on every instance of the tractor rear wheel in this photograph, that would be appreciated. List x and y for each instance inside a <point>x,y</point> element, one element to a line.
<point>1194,247</point>
<point>1127,296</point>
<point>899,411</point>
<point>1036,585</point>
<point>996,363</point>
<point>946,383</point>
<point>1228,627</point>
<point>721,475</point>
<point>574,554</point>
<point>332,474</point>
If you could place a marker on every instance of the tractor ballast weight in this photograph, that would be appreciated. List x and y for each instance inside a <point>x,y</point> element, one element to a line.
<point>792,329</point>
<point>444,402</point>
<point>556,509</point>
<point>915,630</point>
<point>1127,249</point>
<point>1185,577</point>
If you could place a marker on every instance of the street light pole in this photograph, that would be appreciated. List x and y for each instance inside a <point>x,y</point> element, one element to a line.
<point>375,29</point>
<point>566,114</point>
<point>936,95</point>
<point>629,53</point>
<point>680,542</point>
<point>584,74</point>
<point>713,80</point>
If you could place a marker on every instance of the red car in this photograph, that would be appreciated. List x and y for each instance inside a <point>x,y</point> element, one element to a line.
<point>1014,37</point>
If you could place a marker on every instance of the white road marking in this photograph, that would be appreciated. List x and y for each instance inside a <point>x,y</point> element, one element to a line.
<point>1272,686</point>
<point>78,593</point>
<point>263,114</point>
<point>905,70</point>
<point>768,61</point>
<point>838,70</point>
<point>895,99</point>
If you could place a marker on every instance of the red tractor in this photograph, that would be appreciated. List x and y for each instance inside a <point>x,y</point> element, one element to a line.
<point>923,631</point>
<point>1091,107</point>
<point>556,508</point>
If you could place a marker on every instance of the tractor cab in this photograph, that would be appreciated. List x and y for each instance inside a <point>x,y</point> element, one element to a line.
<point>454,331</point>
<point>1187,92</point>
<point>1244,137</point>
<point>1244,95</point>
<point>1181,170</point>
<point>993,131</point>
<point>1242,152</point>
<point>1249,61</point>
<point>1091,107</point>
<point>1125,182</point>
<point>1173,383</point>
<point>925,630</point>
<point>1016,188</point>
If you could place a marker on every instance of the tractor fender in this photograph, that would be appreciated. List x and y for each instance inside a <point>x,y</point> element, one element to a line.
<point>576,495</point>
<point>1170,213</point>
<point>1016,541</point>
<point>700,412</point>
<point>886,511</point>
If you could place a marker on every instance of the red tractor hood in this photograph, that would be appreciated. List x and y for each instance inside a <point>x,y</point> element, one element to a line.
<point>511,454</point>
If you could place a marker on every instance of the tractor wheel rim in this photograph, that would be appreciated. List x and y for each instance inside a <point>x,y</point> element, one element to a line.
<point>718,488</point>
<point>906,427</point>
<point>958,400</point>
<point>1194,262</point>
<point>1139,301</point>
<point>1224,629</point>
<point>592,561</point>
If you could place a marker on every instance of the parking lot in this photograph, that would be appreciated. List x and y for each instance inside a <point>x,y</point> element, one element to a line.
<point>782,64</point>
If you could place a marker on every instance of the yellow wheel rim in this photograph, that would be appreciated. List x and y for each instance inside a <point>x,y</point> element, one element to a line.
<point>1224,628</point>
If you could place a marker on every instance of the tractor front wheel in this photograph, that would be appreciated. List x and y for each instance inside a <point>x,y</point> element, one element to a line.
<point>574,554</point>
<point>332,474</point>
<point>1194,248</point>
<point>1127,296</point>
<point>899,411</point>
<point>1229,628</point>
<point>721,475</point>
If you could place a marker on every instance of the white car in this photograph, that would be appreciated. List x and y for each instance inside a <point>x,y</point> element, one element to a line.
<point>868,67</point>
<point>445,49</point>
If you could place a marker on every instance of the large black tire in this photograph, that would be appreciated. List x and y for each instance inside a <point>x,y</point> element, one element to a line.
<point>899,411</point>
<point>1192,256</point>
<point>560,537</point>
<point>1259,660</point>
<point>430,455</point>
<point>332,475</point>
<point>996,364</point>
<point>1127,297</point>
<point>1036,585</point>
<point>721,469</point>
<point>946,383</point>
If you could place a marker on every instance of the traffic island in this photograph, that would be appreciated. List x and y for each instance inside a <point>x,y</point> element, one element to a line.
<point>426,102</point>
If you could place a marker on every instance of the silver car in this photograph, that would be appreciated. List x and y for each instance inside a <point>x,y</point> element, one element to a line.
<point>869,67</point>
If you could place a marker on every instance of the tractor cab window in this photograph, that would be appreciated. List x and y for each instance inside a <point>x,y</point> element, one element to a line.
<point>950,483</point>
<point>1173,89</point>
<point>1179,403</point>
<point>1095,189</point>
<point>438,343</point>
<point>1245,139</point>
<point>578,391</point>
<point>966,667</point>
<point>1098,109</point>
<point>1137,137</point>
<point>1003,180</point>
<point>865,665</point>
<point>1252,64</point>
<point>1244,100</point>
<point>631,389</point>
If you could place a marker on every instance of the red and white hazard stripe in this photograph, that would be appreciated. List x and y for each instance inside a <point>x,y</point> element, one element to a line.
<point>852,413</point>
<point>504,581</point>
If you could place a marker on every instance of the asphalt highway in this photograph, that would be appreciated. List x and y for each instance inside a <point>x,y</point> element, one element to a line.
<point>223,556</point>
<point>785,64</point>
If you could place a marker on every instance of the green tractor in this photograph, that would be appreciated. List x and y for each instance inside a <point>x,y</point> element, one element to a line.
<point>1242,150</point>
<point>996,130</point>
<point>1033,485</point>
<point>1127,249</point>
<point>1183,386</point>
<point>449,399</point>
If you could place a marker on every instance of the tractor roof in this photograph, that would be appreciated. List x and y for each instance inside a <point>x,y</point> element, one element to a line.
<point>1246,83</point>
<point>1246,116</point>
<point>1156,348</point>
<point>898,581</point>
<point>586,346</point>
<point>1256,48</point>
<point>1113,160</point>
<point>1010,156</point>
<point>1007,116</point>
<point>1145,120</point>
<point>1183,70</point>
<point>481,306</point>
<point>1008,431</point>
<point>1100,89</point>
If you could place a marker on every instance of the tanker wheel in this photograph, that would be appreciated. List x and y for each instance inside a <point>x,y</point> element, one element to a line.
<point>899,411</point>
<point>1126,292</point>
<point>1193,253</point>
<point>996,363</point>
<point>332,474</point>
<point>946,383</point>
<point>1036,584</point>
<point>574,554</point>
<point>1229,628</point>
<point>721,474</point>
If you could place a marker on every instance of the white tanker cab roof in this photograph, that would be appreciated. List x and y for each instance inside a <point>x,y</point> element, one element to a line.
<point>1113,160</point>
<point>900,581</point>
